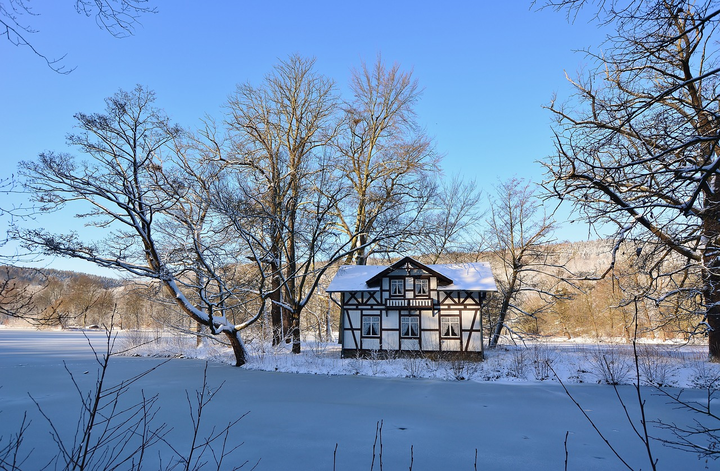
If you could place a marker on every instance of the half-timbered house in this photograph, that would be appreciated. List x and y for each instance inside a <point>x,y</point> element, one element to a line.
<point>409,307</point>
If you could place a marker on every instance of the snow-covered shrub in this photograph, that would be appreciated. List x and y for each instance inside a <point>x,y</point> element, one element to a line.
<point>611,365</point>
<point>656,367</point>
<point>175,344</point>
<point>414,366</point>
<point>543,358</point>
<point>130,341</point>
<point>356,364</point>
<point>377,365</point>
<point>705,375</point>
<point>517,364</point>
<point>459,368</point>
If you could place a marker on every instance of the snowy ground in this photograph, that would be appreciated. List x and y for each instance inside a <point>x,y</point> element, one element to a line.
<point>672,364</point>
<point>509,411</point>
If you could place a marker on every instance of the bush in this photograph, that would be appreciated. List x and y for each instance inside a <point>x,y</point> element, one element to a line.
<point>460,368</point>
<point>656,368</point>
<point>518,363</point>
<point>543,358</point>
<point>611,365</point>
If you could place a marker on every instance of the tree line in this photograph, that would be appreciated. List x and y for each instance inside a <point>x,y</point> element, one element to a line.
<point>537,306</point>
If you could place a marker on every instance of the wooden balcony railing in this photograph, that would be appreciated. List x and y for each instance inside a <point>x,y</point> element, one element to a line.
<point>408,303</point>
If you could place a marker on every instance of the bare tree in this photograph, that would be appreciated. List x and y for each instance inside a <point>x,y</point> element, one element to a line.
<point>201,241</point>
<point>520,235</point>
<point>117,17</point>
<point>450,221</point>
<point>386,159</point>
<point>88,301</point>
<point>637,148</point>
<point>123,190</point>
<point>17,296</point>
<point>283,183</point>
<point>280,130</point>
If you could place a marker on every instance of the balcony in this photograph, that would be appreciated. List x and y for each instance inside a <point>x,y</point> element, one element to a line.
<point>408,303</point>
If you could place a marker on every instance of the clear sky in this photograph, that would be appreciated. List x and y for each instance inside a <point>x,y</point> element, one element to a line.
<point>486,68</point>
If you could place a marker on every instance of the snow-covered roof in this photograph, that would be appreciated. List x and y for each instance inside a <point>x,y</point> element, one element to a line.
<point>354,277</point>
<point>475,276</point>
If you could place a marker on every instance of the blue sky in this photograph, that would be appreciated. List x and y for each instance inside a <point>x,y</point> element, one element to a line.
<point>486,69</point>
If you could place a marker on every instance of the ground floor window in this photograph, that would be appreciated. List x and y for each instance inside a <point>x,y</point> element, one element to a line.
<point>450,327</point>
<point>371,326</point>
<point>409,326</point>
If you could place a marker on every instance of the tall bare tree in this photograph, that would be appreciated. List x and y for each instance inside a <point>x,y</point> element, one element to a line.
<point>450,221</point>
<point>386,158</point>
<point>637,147</point>
<point>520,235</point>
<point>124,189</point>
<point>281,131</point>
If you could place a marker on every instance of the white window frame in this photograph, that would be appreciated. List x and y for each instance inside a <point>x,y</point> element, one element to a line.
<point>447,324</point>
<point>407,323</point>
<point>422,287</point>
<point>367,323</point>
<point>397,287</point>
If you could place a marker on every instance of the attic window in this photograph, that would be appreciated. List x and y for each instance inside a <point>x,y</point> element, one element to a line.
<point>396,287</point>
<point>422,286</point>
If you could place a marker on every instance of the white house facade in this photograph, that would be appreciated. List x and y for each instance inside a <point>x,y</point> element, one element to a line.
<point>409,307</point>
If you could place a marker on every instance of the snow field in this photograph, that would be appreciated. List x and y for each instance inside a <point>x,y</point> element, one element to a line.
<point>668,364</point>
<point>328,420</point>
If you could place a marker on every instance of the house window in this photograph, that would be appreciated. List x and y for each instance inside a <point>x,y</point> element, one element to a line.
<point>396,287</point>
<point>450,327</point>
<point>371,326</point>
<point>422,287</point>
<point>409,326</point>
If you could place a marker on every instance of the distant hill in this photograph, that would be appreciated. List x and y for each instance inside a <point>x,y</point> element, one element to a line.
<point>38,276</point>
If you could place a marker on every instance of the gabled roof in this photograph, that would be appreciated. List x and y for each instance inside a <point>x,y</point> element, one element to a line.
<point>475,276</point>
<point>406,263</point>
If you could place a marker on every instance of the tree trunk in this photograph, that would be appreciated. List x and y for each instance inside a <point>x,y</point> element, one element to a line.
<point>503,311</point>
<point>287,325</point>
<point>712,303</point>
<point>328,322</point>
<point>199,338</point>
<point>233,336</point>
<point>360,258</point>
<point>295,330</point>
<point>276,310</point>
<point>238,348</point>
<point>713,321</point>
<point>711,268</point>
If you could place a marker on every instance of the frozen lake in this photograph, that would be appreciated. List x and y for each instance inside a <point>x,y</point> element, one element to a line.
<point>295,421</point>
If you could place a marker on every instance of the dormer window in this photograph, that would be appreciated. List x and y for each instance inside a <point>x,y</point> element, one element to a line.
<point>397,287</point>
<point>422,287</point>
